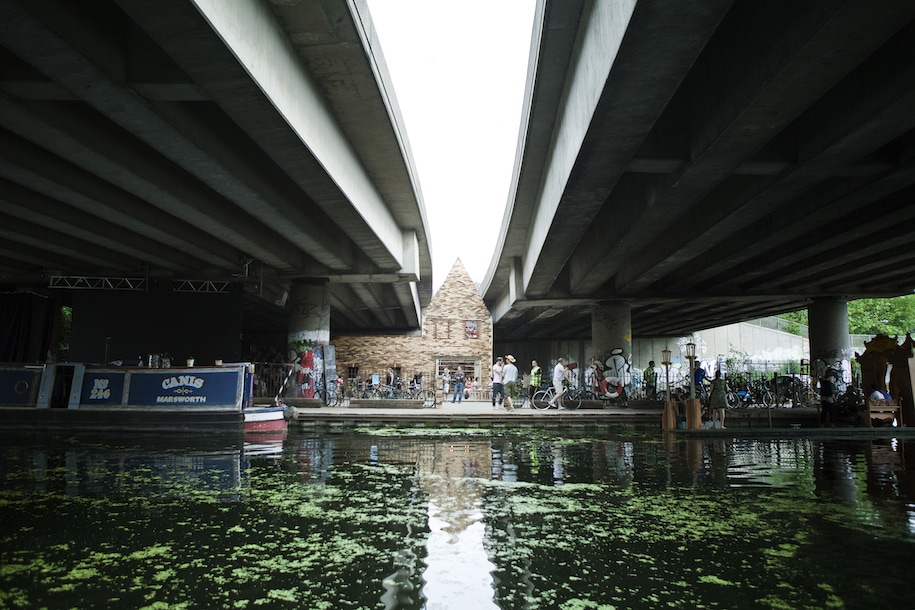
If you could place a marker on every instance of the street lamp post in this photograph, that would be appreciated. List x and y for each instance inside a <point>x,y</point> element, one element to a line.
<point>693,410</point>
<point>691,356</point>
<point>670,418</point>
<point>665,360</point>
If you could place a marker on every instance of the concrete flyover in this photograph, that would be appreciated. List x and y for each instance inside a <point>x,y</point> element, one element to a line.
<point>214,143</point>
<point>708,163</point>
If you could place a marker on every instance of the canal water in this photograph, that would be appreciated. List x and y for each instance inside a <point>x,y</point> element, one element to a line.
<point>505,519</point>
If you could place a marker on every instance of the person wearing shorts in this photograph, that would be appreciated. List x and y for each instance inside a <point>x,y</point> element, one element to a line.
<point>497,388</point>
<point>559,375</point>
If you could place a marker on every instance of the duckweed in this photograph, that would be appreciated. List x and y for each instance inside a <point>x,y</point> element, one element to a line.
<point>394,518</point>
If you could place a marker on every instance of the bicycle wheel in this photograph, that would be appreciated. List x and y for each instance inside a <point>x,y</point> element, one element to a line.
<point>541,399</point>
<point>428,398</point>
<point>809,398</point>
<point>767,398</point>
<point>732,399</point>
<point>571,399</point>
<point>330,398</point>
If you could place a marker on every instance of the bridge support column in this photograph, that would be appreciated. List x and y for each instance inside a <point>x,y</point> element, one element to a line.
<point>309,317</point>
<point>611,341</point>
<point>611,328</point>
<point>828,324</point>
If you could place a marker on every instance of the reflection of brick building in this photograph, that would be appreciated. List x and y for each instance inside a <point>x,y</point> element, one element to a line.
<point>456,329</point>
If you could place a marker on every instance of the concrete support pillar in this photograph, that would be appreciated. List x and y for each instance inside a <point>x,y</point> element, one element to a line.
<point>828,320</point>
<point>611,328</point>
<point>309,317</point>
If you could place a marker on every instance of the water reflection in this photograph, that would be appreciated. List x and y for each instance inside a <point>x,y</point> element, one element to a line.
<point>83,468</point>
<point>532,519</point>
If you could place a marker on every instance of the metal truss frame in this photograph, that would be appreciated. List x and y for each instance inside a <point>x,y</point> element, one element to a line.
<point>83,282</point>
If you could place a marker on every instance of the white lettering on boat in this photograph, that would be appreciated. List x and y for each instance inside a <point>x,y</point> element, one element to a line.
<point>182,381</point>
<point>100,390</point>
<point>184,399</point>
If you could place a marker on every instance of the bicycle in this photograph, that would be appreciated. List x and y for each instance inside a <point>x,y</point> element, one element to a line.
<point>522,400</point>
<point>797,392</point>
<point>570,399</point>
<point>372,392</point>
<point>573,395</point>
<point>392,392</point>
<point>638,390</point>
<point>753,394</point>
<point>416,392</point>
<point>330,396</point>
<point>542,398</point>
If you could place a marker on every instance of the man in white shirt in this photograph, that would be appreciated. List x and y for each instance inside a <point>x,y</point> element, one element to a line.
<point>559,375</point>
<point>510,381</point>
<point>497,387</point>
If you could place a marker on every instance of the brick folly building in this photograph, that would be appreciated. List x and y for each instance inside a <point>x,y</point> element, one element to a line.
<point>456,330</point>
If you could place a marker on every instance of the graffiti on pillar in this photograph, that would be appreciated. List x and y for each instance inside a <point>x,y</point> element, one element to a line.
<point>317,371</point>
<point>615,325</point>
<point>310,316</point>
<point>595,379</point>
<point>309,330</point>
<point>304,385</point>
<point>310,373</point>
<point>309,322</point>
<point>840,368</point>
<point>612,374</point>
<point>699,342</point>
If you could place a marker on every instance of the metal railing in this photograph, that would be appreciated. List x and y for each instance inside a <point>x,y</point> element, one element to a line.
<point>269,378</point>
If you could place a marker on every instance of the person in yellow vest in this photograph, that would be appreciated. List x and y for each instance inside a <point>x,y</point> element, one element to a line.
<point>536,378</point>
<point>651,381</point>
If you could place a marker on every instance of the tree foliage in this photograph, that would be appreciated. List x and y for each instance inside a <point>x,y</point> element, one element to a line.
<point>796,319</point>
<point>888,316</point>
<point>891,317</point>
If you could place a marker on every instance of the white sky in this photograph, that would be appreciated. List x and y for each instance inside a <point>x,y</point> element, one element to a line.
<point>459,71</point>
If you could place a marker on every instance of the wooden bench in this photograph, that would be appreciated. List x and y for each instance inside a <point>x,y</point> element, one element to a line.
<point>883,410</point>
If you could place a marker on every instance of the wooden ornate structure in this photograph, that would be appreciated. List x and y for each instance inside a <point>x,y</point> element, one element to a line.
<point>887,365</point>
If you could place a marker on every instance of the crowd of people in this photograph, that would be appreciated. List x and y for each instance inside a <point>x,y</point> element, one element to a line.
<point>508,383</point>
<point>606,378</point>
<point>711,392</point>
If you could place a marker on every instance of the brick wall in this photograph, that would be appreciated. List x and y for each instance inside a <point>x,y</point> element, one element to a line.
<point>446,335</point>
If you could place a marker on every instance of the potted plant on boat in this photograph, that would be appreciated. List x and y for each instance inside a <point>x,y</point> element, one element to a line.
<point>190,361</point>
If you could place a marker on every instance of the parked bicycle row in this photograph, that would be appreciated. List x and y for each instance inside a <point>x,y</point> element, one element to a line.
<point>744,392</point>
<point>392,388</point>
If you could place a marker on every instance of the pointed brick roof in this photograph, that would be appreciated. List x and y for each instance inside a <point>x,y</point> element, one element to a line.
<point>458,294</point>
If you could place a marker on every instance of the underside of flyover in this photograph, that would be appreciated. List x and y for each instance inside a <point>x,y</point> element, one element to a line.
<point>708,163</point>
<point>201,146</point>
